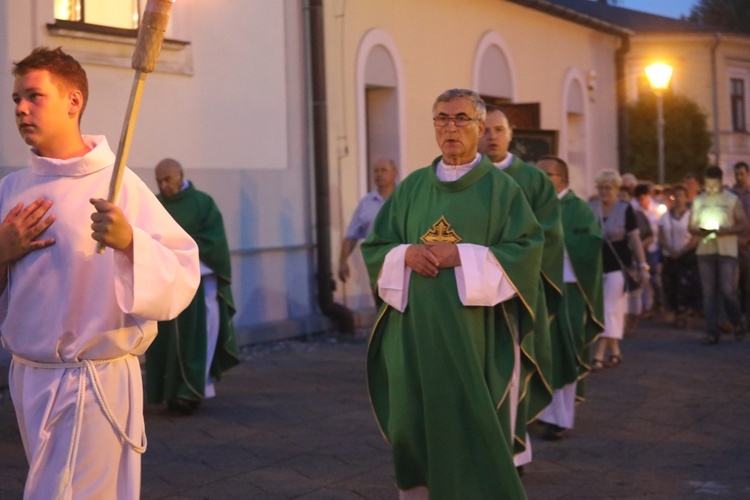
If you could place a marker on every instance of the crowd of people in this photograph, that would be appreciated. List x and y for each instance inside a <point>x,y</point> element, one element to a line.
<point>689,252</point>
<point>468,232</point>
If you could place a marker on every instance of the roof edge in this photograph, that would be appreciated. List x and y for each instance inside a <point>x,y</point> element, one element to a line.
<point>567,14</point>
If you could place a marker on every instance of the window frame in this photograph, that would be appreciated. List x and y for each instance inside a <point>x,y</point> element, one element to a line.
<point>738,103</point>
<point>84,25</point>
<point>108,45</point>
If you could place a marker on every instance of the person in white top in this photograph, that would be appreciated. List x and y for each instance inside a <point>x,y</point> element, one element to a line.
<point>680,265</point>
<point>74,321</point>
<point>651,289</point>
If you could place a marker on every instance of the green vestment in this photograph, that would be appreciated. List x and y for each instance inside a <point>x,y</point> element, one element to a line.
<point>579,318</point>
<point>439,372</point>
<point>176,360</point>
<point>536,343</point>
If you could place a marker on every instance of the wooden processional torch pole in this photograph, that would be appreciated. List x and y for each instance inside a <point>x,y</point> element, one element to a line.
<point>147,49</point>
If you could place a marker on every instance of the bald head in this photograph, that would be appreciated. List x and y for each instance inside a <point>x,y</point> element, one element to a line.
<point>497,135</point>
<point>169,177</point>
<point>556,169</point>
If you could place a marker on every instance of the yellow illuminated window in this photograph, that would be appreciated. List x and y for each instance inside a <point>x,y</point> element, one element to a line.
<point>112,13</point>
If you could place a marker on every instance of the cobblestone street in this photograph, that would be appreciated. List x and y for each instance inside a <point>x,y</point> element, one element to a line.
<point>294,421</point>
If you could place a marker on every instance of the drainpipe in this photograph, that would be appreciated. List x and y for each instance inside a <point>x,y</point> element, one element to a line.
<point>715,99</point>
<point>340,315</point>
<point>623,125</point>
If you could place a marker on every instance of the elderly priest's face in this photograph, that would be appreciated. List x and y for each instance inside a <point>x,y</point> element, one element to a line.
<point>458,143</point>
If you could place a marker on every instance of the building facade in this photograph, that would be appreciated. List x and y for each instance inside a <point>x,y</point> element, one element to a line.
<point>232,99</point>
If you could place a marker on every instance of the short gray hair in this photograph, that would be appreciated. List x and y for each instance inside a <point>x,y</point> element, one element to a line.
<point>469,95</point>
<point>608,176</point>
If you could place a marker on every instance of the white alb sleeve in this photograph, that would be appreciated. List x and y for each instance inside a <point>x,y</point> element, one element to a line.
<point>480,279</point>
<point>393,283</point>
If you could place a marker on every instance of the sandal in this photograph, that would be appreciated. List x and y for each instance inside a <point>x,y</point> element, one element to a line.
<point>597,365</point>
<point>614,360</point>
<point>710,339</point>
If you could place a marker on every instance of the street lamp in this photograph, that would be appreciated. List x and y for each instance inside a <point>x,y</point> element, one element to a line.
<point>658,76</point>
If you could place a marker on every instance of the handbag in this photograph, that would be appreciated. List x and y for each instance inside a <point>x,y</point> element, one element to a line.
<point>632,276</point>
<point>630,273</point>
<point>632,279</point>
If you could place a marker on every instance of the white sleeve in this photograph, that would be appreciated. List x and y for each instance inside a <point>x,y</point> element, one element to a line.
<point>480,279</point>
<point>165,273</point>
<point>393,283</point>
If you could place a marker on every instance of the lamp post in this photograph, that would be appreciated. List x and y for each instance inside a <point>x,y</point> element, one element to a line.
<point>658,76</point>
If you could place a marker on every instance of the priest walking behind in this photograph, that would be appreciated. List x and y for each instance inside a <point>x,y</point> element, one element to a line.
<point>532,390</point>
<point>579,318</point>
<point>199,345</point>
<point>453,244</point>
<point>75,321</point>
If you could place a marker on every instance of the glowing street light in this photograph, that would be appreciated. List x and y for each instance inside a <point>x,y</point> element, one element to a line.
<point>658,76</point>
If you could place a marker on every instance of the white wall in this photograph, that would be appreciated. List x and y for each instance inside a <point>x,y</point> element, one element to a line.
<point>230,106</point>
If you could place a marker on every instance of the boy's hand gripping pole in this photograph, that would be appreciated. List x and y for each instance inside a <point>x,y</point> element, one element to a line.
<point>147,49</point>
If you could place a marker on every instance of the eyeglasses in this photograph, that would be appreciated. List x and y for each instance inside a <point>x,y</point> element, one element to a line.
<point>460,120</point>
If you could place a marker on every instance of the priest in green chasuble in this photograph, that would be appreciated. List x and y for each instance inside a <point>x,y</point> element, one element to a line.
<point>450,254</point>
<point>579,318</point>
<point>534,390</point>
<point>197,347</point>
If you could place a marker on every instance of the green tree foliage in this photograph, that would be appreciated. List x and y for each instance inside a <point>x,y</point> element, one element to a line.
<point>686,137</point>
<point>732,15</point>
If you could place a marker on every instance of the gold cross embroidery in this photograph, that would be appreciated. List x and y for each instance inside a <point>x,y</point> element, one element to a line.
<point>441,232</point>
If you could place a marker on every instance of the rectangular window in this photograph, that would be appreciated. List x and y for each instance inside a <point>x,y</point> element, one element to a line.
<point>737,96</point>
<point>100,28</point>
<point>123,14</point>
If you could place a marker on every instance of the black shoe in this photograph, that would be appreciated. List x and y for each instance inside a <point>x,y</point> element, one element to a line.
<point>182,405</point>
<point>553,432</point>
<point>519,469</point>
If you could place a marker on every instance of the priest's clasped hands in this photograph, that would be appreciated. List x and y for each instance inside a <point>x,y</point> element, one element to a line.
<point>428,258</point>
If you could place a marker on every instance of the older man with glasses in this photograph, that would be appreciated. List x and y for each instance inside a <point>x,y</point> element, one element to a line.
<point>449,253</point>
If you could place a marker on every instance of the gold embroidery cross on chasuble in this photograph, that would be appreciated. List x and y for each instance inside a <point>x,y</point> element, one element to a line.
<point>441,232</point>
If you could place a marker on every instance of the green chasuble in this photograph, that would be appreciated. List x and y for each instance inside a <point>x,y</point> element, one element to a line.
<point>580,317</point>
<point>439,373</point>
<point>536,343</point>
<point>176,360</point>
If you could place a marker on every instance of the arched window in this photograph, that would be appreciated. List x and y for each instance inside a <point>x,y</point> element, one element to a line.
<point>574,135</point>
<point>493,68</point>
<point>380,117</point>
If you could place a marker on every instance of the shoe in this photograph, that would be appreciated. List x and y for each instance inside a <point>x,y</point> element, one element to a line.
<point>710,339</point>
<point>596,365</point>
<point>553,432</point>
<point>182,405</point>
<point>726,327</point>
<point>614,360</point>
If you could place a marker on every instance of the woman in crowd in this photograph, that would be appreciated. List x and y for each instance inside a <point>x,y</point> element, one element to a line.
<point>635,291</point>
<point>622,245</point>
<point>680,271</point>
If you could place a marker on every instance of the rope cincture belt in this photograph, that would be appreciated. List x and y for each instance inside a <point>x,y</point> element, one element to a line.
<point>87,366</point>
